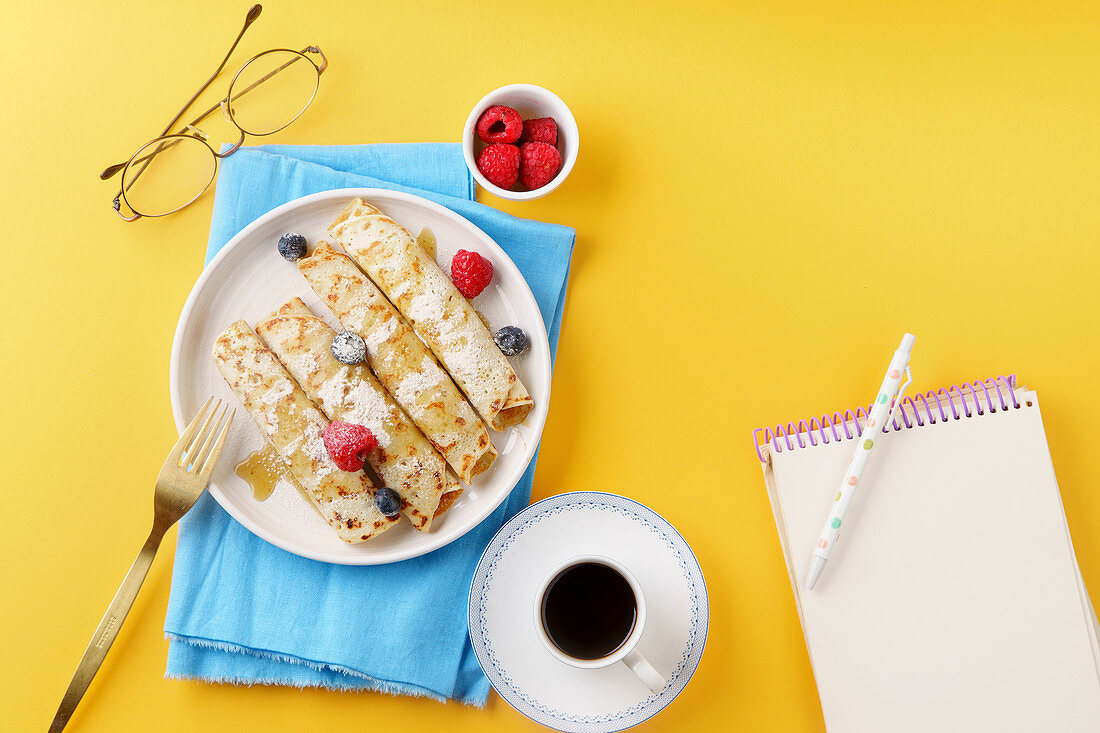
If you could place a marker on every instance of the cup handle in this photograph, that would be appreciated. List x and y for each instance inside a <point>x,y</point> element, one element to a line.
<point>644,671</point>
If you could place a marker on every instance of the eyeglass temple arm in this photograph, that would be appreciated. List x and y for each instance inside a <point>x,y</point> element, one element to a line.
<point>211,110</point>
<point>253,13</point>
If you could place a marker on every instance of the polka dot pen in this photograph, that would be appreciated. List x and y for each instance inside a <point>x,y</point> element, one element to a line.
<point>889,396</point>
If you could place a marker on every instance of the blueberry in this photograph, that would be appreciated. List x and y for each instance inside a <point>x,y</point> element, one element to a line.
<point>388,502</point>
<point>292,246</point>
<point>348,348</point>
<point>511,340</point>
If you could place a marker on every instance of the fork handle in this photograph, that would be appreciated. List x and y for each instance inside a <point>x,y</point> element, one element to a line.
<point>107,631</point>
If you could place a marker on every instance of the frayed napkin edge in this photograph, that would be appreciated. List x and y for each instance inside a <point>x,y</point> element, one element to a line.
<point>362,682</point>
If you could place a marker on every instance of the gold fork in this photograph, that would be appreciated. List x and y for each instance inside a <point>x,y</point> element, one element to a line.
<point>182,479</point>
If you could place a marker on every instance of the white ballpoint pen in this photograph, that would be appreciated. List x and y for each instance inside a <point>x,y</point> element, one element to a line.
<point>890,392</point>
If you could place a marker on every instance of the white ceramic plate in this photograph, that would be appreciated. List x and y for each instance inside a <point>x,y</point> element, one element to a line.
<point>248,279</point>
<point>502,597</point>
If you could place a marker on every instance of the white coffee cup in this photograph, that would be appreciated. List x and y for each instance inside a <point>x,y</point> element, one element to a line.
<point>625,652</point>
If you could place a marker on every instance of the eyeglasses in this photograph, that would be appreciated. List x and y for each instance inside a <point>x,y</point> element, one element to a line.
<point>269,92</point>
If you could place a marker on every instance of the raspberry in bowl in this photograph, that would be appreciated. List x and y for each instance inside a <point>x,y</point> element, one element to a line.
<point>546,120</point>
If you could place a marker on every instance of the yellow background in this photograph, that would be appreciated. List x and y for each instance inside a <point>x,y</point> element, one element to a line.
<point>766,198</point>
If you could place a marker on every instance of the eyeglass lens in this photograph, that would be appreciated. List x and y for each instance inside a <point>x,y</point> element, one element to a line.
<point>167,174</point>
<point>271,91</point>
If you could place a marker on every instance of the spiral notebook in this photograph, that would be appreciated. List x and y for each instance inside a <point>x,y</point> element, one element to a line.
<point>954,601</point>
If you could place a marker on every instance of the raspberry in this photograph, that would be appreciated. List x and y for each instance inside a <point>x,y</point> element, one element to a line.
<point>348,444</point>
<point>470,272</point>
<point>499,124</point>
<point>542,130</point>
<point>539,163</point>
<point>499,163</point>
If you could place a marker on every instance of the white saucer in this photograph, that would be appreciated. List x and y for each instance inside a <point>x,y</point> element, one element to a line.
<point>502,629</point>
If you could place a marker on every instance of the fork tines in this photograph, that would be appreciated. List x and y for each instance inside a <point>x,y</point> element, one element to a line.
<point>201,443</point>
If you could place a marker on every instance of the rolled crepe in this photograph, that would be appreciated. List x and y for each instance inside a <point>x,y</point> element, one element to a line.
<point>404,459</point>
<point>401,362</point>
<point>440,315</point>
<point>295,427</point>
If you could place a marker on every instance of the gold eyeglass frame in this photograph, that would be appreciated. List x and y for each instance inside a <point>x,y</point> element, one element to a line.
<point>190,131</point>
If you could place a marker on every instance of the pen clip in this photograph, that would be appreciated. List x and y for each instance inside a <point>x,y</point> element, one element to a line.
<point>901,393</point>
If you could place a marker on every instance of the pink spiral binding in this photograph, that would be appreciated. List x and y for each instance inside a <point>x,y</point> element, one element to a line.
<point>837,420</point>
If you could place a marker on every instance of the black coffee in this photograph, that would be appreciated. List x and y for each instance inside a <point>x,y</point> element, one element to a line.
<point>588,610</point>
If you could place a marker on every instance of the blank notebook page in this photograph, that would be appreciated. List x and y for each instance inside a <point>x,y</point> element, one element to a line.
<point>952,601</point>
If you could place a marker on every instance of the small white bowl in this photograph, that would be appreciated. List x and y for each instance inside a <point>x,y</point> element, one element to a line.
<point>531,102</point>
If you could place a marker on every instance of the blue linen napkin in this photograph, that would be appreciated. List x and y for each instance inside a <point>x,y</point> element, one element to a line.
<point>244,611</point>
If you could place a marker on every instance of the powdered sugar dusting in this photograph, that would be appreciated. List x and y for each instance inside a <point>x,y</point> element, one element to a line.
<point>302,365</point>
<point>425,306</point>
<point>356,401</point>
<point>269,403</point>
<point>313,445</point>
<point>333,393</point>
<point>400,290</point>
<point>381,333</point>
<point>415,383</point>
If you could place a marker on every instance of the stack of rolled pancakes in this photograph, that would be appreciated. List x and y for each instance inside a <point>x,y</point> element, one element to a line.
<point>432,384</point>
